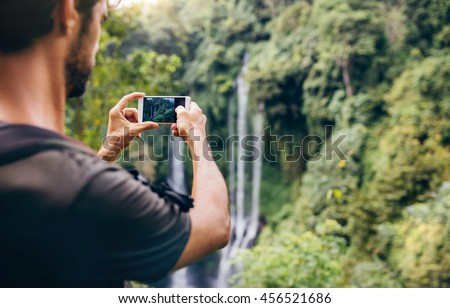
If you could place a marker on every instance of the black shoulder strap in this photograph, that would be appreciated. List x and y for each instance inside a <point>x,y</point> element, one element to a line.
<point>21,141</point>
<point>185,202</point>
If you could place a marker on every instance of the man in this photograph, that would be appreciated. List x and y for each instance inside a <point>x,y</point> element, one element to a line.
<point>68,218</point>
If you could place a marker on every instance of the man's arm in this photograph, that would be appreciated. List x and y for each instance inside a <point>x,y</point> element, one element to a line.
<point>210,219</point>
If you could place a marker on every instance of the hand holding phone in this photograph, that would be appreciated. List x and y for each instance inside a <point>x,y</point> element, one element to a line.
<point>123,127</point>
<point>161,109</point>
<point>191,125</point>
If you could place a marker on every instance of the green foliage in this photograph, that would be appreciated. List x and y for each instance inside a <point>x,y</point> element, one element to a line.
<point>330,184</point>
<point>292,261</point>
<point>419,248</point>
<point>410,160</point>
<point>359,109</point>
<point>348,28</point>
<point>349,34</point>
<point>273,191</point>
<point>374,274</point>
<point>426,19</point>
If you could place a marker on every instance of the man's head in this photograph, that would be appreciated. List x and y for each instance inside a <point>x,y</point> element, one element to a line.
<point>75,24</point>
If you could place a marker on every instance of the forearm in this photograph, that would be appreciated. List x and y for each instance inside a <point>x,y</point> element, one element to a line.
<point>210,219</point>
<point>209,190</point>
<point>206,172</point>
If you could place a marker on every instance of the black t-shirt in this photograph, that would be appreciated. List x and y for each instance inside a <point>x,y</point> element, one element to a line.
<point>68,219</point>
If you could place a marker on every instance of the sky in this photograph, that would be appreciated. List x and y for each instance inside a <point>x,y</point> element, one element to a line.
<point>131,2</point>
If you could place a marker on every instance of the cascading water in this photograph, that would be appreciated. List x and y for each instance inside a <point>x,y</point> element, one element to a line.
<point>240,221</point>
<point>231,162</point>
<point>258,126</point>
<point>244,224</point>
<point>176,179</point>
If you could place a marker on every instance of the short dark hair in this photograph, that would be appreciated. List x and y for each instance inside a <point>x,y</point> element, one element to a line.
<point>22,22</point>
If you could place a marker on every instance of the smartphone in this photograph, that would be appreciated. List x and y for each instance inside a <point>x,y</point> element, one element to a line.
<point>161,109</point>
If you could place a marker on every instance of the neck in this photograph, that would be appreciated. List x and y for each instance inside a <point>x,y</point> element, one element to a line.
<point>32,89</point>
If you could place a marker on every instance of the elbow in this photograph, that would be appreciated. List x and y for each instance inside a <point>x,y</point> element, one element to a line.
<point>214,223</point>
<point>224,231</point>
<point>224,234</point>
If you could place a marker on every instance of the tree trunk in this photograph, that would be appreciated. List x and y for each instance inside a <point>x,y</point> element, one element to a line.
<point>345,66</point>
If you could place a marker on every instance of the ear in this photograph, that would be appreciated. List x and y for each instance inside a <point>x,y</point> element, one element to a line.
<point>67,16</point>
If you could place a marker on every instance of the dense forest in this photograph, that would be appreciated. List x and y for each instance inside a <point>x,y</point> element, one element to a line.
<point>159,110</point>
<point>377,72</point>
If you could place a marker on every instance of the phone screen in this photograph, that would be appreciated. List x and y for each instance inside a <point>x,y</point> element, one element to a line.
<point>161,109</point>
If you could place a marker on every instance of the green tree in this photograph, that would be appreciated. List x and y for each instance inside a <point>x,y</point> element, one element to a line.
<point>348,29</point>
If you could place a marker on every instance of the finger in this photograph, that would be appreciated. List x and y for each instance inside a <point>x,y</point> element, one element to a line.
<point>175,133</point>
<point>195,106</point>
<point>131,114</point>
<point>137,128</point>
<point>183,132</point>
<point>180,110</point>
<point>123,103</point>
<point>174,126</point>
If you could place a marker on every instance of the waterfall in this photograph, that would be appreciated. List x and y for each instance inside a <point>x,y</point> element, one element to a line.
<point>258,126</point>
<point>224,268</point>
<point>177,181</point>
<point>232,162</point>
<point>244,221</point>
<point>242,91</point>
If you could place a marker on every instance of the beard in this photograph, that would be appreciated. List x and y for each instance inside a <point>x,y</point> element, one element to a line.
<point>78,65</point>
<point>78,72</point>
<point>77,77</point>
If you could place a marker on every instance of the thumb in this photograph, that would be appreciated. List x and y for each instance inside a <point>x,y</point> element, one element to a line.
<point>137,128</point>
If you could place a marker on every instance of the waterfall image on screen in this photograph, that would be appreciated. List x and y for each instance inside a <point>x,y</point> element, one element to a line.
<point>160,109</point>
